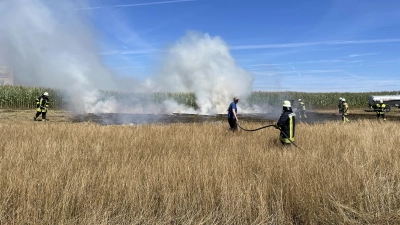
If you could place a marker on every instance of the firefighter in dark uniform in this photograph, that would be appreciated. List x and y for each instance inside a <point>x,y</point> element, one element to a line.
<point>380,109</point>
<point>292,102</point>
<point>340,105</point>
<point>302,109</point>
<point>345,111</point>
<point>42,103</point>
<point>286,124</point>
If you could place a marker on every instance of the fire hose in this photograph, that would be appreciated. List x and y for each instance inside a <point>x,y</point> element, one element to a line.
<point>272,125</point>
<point>255,129</point>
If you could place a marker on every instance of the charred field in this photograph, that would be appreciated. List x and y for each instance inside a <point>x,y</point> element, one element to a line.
<point>132,119</point>
<point>315,116</point>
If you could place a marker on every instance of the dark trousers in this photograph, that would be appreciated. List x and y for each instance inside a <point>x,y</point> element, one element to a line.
<point>302,113</point>
<point>43,115</point>
<point>232,124</point>
<point>379,115</point>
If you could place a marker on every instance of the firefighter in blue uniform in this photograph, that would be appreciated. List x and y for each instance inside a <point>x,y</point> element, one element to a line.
<point>286,124</point>
<point>232,114</point>
<point>42,103</point>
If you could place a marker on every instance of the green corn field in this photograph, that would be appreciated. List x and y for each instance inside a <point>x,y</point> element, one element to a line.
<point>23,97</point>
<point>315,100</point>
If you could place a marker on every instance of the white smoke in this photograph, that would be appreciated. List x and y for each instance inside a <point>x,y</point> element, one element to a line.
<point>111,105</point>
<point>49,44</point>
<point>202,64</point>
<point>52,47</point>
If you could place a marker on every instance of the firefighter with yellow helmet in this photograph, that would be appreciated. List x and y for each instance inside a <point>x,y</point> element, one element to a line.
<point>302,109</point>
<point>286,124</point>
<point>42,103</point>
<point>345,110</point>
<point>380,109</point>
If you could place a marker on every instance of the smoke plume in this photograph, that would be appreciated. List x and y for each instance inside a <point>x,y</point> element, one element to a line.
<point>202,64</point>
<point>52,46</point>
<point>49,44</point>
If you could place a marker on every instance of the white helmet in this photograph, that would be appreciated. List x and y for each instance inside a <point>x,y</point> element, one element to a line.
<point>286,104</point>
<point>340,99</point>
<point>46,94</point>
<point>343,100</point>
<point>381,101</point>
<point>299,99</point>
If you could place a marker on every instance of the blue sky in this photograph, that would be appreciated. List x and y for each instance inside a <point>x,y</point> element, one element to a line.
<point>312,46</point>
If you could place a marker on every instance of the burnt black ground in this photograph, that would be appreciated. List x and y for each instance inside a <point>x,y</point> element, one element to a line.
<point>132,119</point>
<point>57,116</point>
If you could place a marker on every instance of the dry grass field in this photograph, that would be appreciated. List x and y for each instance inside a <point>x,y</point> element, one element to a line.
<point>60,172</point>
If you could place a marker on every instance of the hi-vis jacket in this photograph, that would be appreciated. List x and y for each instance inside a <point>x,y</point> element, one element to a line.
<point>301,107</point>
<point>287,124</point>
<point>42,103</point>
<point>380,108</point>
<point>345,109</point>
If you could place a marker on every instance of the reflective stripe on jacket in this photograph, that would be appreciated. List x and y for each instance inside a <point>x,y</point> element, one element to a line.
<point>345,108</point>
<point>42,104</point>
<point>301,106</point>
<point>287,123</point>
<point>380,108</point>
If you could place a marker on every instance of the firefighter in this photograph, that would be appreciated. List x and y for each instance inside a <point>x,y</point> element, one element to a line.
<point>232,114</point>
<point>292,102</point>
<point>302,109</point>
<point>42,103</point>
<point>380,109</point>
<point>340,106</point>
<point>345,110</point>
<point>286,124</point>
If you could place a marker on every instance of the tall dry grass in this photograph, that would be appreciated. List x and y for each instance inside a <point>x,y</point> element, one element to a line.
<point>84,173</point>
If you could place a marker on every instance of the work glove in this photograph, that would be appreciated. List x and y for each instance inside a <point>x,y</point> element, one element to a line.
<point>276,126</point>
